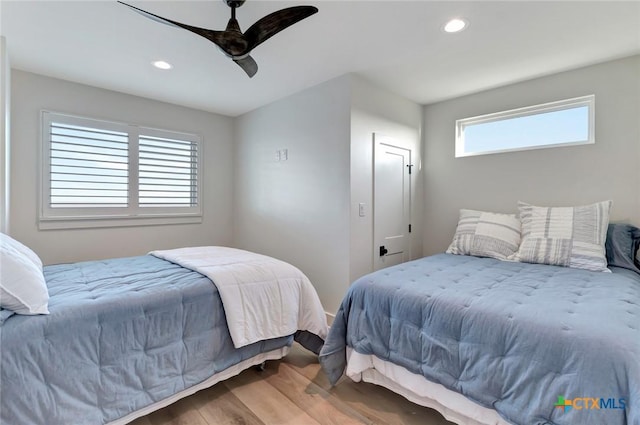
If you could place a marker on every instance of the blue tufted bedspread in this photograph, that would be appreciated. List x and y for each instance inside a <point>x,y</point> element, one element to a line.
<point>122,334</point>
<point>509,336</point>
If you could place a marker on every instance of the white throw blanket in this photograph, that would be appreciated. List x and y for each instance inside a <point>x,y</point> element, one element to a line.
<point>263,297</point>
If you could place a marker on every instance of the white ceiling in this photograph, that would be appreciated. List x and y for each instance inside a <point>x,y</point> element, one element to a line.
<point>398,45</point>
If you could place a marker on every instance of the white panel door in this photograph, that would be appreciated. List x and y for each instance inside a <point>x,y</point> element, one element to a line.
<point>391,202</point>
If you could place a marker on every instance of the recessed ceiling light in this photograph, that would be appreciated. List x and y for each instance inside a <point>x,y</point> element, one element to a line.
<point>455,25</point>
<point>162,65</point>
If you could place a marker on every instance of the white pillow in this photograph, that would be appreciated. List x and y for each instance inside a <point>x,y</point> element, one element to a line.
<point>22,286</point>
<point>23,249</point>
<point>565,236</point>
<point>486,234</point>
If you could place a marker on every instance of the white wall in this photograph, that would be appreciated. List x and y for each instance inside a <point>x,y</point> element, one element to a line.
<point>5,114</point>
<point>557,176</point>
<point>374,110</point>
<point>298,210</point>
<point>31,93</point>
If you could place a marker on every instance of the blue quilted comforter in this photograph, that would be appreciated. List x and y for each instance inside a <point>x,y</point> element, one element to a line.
<point>122,334</point>
<point>518,338</point>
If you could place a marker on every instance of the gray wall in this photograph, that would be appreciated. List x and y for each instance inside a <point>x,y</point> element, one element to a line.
<point>298,210</point>
<point>305,210</point>
<point>5,114</point>
<point>374,110</point>
<point>557,176</point>
<point>31,93</point>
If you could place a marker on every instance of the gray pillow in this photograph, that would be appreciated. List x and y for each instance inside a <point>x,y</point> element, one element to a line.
<point>486,234</point>
<point>565,236</point>
<point>622,245</point>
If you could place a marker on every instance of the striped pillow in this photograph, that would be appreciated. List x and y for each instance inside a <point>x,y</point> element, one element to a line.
<point>486,234</point>
<point>565,236</point>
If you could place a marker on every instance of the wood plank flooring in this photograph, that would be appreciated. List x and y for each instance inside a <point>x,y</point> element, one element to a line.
<point>292,391</point>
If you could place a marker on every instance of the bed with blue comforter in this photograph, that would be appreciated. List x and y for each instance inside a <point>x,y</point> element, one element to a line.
<point>529,341</point>
<point>122,335</point>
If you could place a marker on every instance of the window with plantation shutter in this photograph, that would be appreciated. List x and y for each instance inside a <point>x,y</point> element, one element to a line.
<point>89,167</point>
<point>168,174</point>
<point>99,173</point>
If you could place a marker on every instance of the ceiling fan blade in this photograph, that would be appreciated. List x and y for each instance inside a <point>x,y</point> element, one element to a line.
<point>216,37</point>
<point>248,65</point>
<point>152,16</point>
<point>275,22</point>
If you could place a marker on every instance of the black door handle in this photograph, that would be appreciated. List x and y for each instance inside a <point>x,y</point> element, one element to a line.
<point>383,251</point>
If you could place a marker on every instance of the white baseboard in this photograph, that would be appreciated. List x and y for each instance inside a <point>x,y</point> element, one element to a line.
<point>330,318</point>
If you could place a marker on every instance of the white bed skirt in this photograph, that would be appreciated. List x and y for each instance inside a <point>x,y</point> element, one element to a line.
<point>218,377</point>
<point>416,388</point>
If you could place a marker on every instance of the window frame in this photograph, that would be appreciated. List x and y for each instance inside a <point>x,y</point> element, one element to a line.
<point>576,102</point>
<point>132,215</point>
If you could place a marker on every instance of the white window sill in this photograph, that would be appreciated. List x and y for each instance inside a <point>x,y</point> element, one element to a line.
<point>54,223</point>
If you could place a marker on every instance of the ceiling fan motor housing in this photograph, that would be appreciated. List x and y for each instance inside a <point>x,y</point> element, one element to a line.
<point>234,3</point>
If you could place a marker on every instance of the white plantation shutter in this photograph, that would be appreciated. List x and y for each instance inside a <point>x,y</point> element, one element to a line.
<point>94,171</point>
<point>168,174</point>
<point>88,167</point>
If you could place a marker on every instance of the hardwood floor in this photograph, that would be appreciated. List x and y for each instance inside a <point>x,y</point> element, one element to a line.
<point>292,391</point>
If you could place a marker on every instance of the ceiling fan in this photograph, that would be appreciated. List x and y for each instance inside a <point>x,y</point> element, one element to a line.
<point>232,41</point>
